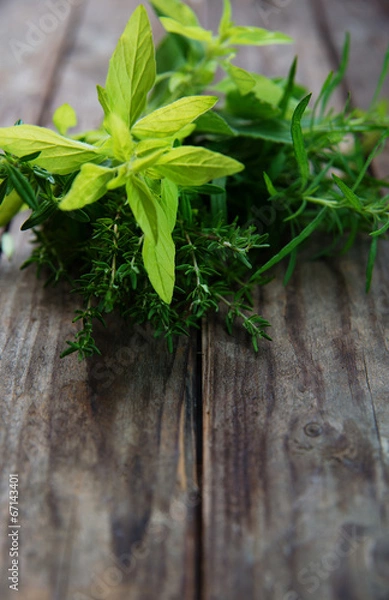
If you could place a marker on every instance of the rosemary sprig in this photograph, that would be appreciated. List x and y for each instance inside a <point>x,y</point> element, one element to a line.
<point>181,202</point>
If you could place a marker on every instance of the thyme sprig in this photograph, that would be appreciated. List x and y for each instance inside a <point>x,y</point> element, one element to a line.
<point>191,191</point>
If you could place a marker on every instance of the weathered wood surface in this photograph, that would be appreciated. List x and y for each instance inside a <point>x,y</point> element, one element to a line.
<point>212,473</point>
<point>296,461</point>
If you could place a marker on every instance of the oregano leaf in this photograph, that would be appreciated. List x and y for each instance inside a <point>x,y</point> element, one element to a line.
<point>191,165</point>
<point>88,187</point>
<point>144,206</point>
<point>168,120</point>
<point>58,154</point>
<point>132,69</point>
<point>64,118</point>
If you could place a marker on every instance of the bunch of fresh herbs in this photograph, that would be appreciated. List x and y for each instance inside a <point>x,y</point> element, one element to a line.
<point>194,186</point>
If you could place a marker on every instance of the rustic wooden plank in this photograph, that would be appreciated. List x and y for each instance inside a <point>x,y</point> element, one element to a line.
<point>33,38</point>
<point>295,482</point>
<point>295,472</point>
<point>369,24</point>
<point>106,451</point>
<point>106,457</point>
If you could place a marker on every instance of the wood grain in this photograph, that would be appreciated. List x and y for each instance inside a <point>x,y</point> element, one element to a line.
<point>34,38</point>
<point>295,472</point>
<point>106,451</point>
<point>276,487</point>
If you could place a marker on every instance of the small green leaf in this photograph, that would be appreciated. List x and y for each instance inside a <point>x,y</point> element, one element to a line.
<point>29,157</point>
<point>298,140</point>
<point>168,120</point>
<point>122,143</point>
<point>380,231</point>
<point>22,187</point>
<point>132,69</point>
<point>191,32</point>
<point>64,118</point>
<point>288,91</point>
<point>333,82</point>
<point>226,20</point>
<point>3,190</point>
<point>269,185</point>
<point>348,193</point>
<point>243,80</point>
<point>58,154</point>
<point>293,243</point>
<point>144,206</point>
<point>382,79</point>
<point>190,165</point>
<point>88,187</point>
<point>291,266</point>
<point>255,36</point>
<point>43,212</point>
<point>102,97</point>
<point>176,9</point>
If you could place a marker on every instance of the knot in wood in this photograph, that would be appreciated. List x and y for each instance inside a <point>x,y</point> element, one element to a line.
<point>313,429</point>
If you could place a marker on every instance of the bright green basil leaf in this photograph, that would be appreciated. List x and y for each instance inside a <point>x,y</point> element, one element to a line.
<point>169,201</point>
<point>177,10</point>
<point>10,207</point>
<point>132,70</point>
<point>166,121</point>
<point>191,32</point>
<point>255,36</point>
<point>243,80</point>
<point>58,154</point>
<point>212,122</point>
<point>190,165</point>
<point>144,206</point>
<point>64,118</point>
<point>88,187</point>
